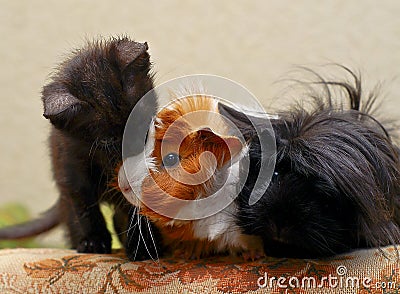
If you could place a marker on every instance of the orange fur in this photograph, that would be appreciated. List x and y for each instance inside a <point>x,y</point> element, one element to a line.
<point>114,181</point>
<point>195,142</point>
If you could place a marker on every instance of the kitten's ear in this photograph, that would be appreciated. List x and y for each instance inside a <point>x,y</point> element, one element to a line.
<point>60,106</point>
<point>130,54</point>
<point>134,63</point>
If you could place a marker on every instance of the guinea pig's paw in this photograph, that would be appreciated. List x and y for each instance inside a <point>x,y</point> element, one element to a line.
<point>196,255</point>
<point>251,249</point>
<point>192,250</point>
<point>187,252</point>
<point>94,245</point>
<point>253,254</point>
<point>187,255</point>
<point>181,253</point>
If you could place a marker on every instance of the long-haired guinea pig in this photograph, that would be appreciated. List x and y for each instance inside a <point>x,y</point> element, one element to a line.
<point>336,182</point>
<point>181,143</point>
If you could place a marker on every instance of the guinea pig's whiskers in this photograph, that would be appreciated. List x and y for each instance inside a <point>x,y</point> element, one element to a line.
<point>157,259</point>
<point>140,218</point>
<point>131,225</point>
<point>136,225</point>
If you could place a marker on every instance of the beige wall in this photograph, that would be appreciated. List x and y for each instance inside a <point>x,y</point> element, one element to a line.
<point>252,42</point>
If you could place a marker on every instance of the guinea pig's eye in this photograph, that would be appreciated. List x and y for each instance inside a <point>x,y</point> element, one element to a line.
<point>170,160</point>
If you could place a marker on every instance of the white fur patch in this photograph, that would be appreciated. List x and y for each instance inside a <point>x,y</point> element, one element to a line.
<point>252,112</point>
<point>135,169</point>
<point>221,226</point>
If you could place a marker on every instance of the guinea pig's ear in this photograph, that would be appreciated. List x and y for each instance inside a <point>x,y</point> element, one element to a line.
<point>238,118</point>
<point>244,122</point>
<point>60,106</point>
<point>229,146</point>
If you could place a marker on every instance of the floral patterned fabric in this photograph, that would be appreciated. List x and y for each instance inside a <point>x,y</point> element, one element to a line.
<point>65,271</point>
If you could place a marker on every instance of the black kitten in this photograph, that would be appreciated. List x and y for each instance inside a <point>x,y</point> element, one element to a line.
<point>88,103</point>
<point>336,182</point>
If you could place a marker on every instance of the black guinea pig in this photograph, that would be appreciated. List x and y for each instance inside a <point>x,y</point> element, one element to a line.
<point>336,181</point>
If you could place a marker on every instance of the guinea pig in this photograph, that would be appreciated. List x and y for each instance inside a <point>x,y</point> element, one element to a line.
<point>336,182</point>
<point>190,155</point>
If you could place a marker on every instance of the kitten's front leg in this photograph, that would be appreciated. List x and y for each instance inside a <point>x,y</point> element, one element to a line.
<point>77,179</point>
<point>80,209</point>
<point>86,225</point>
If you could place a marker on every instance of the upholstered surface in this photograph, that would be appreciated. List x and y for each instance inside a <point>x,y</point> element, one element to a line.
<point>64,271</point>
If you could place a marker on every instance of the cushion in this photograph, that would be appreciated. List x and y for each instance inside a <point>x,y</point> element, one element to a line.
<point>65,271</point>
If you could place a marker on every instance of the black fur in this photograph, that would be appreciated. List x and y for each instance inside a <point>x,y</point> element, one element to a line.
<point>88,102</point>
<point>336,184</point>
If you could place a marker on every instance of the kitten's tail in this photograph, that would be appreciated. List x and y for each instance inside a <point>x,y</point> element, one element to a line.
<point>46,222</point>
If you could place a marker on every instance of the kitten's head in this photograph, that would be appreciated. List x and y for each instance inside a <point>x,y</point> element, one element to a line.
<point>93,92</point>
<point>188,160</point>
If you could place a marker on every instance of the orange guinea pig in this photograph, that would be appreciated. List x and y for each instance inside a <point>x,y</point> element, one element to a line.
<point>186,180</point>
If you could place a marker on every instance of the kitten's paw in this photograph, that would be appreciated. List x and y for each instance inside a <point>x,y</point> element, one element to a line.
<point>94,246</point>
